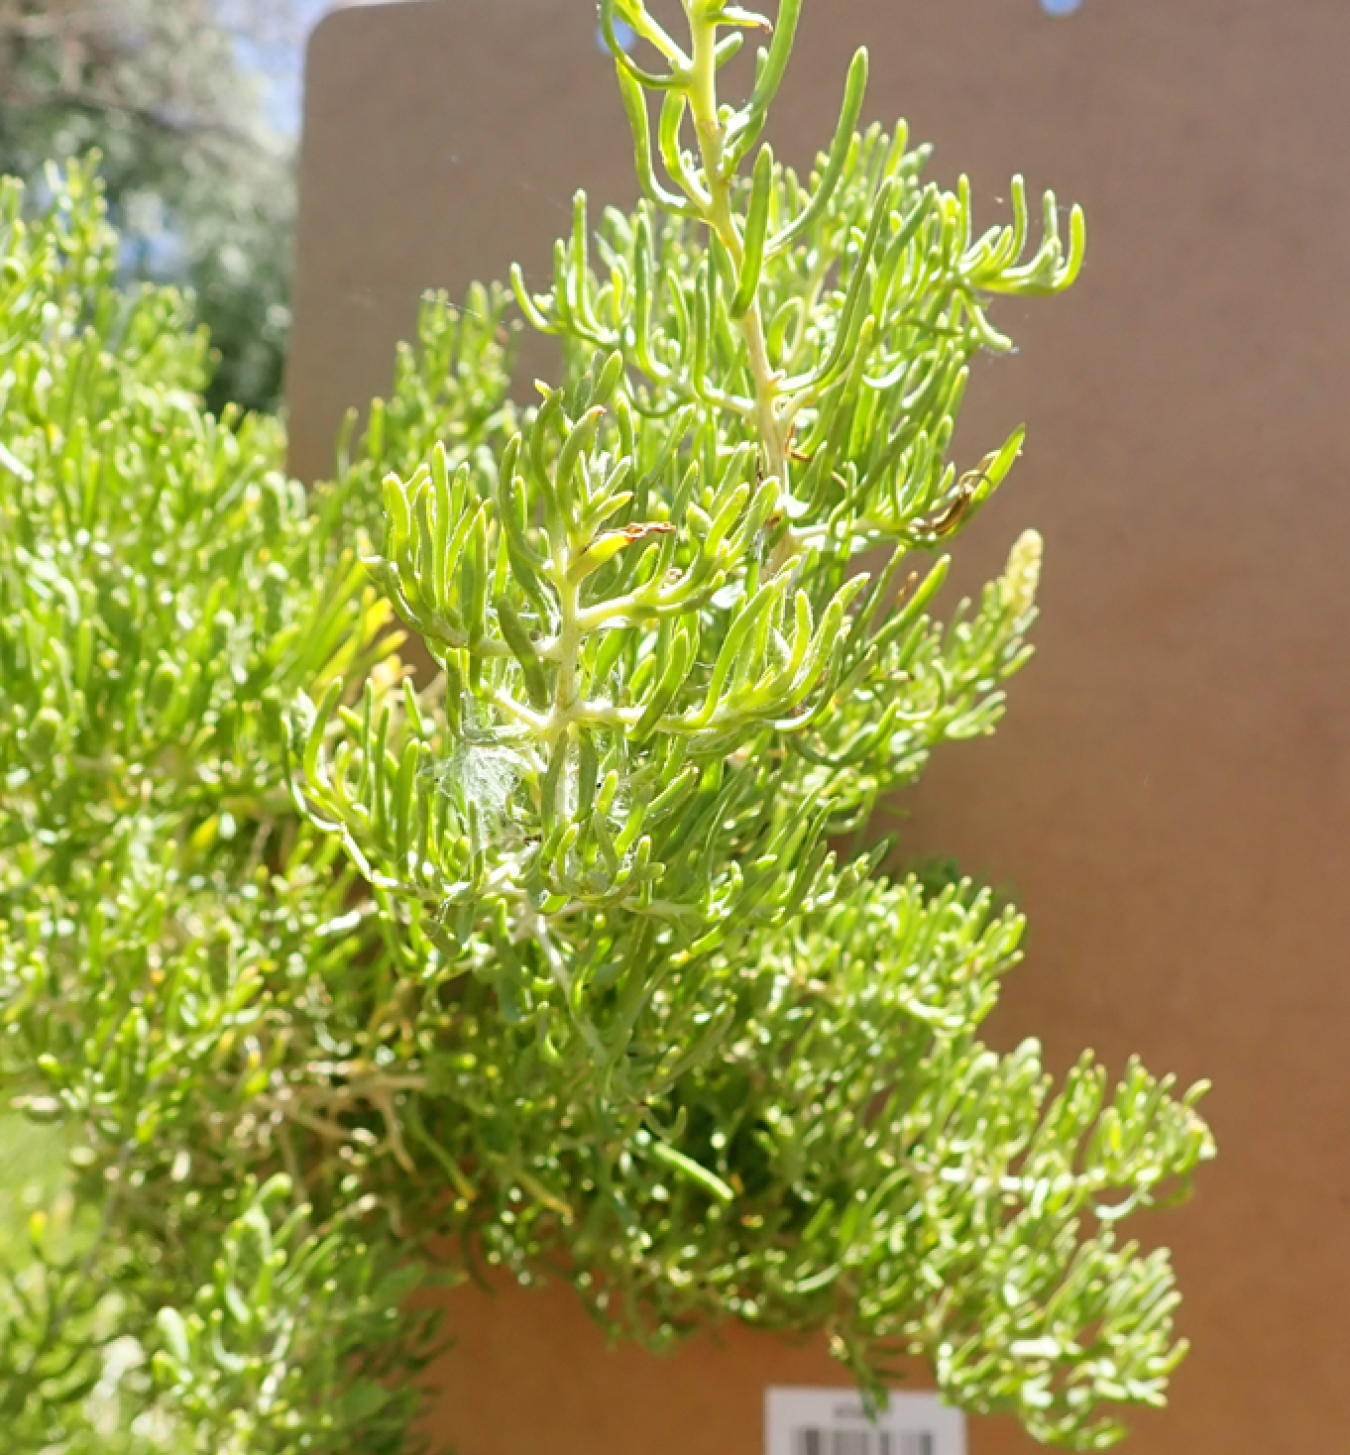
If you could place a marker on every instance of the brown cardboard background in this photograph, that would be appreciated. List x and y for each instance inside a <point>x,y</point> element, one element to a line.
<point>1170,796</point>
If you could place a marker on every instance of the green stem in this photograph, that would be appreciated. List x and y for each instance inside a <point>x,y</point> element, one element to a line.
<point>711,140</point>
<point>569,643</point>
<point>569,651</point>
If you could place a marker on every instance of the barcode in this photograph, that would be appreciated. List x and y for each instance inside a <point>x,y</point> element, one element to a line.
<point>823,1421</point>
<point>814,1440</point>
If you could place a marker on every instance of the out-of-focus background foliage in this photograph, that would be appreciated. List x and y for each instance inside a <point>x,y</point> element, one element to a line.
<point>194,107</point>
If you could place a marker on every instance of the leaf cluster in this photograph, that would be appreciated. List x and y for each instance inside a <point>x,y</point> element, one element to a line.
<point>183,990</point>
<point>577,955</point>
<point>679,1040</point>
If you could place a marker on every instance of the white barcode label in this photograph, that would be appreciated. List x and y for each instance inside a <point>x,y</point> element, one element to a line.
<point>835,1422</point>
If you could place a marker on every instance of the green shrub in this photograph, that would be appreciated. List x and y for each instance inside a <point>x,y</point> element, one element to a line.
<point>174,943</point>
<point>557,958</point>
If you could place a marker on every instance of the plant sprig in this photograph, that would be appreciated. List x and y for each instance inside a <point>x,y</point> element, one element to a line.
<point>579,952</point>
<point>605,841</point>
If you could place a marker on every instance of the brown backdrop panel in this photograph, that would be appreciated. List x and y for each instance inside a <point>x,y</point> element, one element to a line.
<point>1170,796</point>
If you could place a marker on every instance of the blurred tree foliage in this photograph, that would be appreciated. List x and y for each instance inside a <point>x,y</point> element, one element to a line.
<point>198,180</point>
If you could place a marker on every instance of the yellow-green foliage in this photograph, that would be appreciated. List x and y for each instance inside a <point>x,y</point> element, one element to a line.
<point>172,947</point>
<point>558,959</point>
